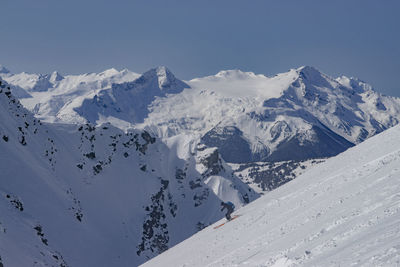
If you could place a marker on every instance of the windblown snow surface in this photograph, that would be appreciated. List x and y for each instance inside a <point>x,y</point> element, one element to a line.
<point>343,212</point>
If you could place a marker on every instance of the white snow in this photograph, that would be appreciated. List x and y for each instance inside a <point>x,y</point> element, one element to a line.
<point>343,212</point>
<point>236,83</point>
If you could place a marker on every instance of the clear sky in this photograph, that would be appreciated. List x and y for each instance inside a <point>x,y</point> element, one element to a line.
<point>358,38</point>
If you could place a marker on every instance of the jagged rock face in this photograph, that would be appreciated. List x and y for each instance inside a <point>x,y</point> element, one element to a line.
<point>124,194</point>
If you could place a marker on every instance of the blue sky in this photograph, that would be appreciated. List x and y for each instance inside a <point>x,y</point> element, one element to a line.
<point>358,38</point>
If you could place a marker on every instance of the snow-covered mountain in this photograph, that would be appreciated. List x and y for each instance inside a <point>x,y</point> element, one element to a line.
<point>295,116</point>
<point>343,212</point>
<point>127,165</point>
<point>298,115</point>
<point>80,195</point>
<point>129,101</point>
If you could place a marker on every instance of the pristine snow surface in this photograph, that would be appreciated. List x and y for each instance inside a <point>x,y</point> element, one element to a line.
<point>343,212</point>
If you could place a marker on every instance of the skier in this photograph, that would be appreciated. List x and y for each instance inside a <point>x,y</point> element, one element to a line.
<point>230,207</point>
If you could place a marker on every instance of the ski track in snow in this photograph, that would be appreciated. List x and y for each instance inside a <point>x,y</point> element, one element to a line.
<point>344,212</point>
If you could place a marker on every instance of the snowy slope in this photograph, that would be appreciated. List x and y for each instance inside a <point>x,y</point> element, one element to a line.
<point>343,212</point>
<point>79,195</point>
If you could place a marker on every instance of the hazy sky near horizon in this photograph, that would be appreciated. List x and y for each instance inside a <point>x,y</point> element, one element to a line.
<point>358,38</point>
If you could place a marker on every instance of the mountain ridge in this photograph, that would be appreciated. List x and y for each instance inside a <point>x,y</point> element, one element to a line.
<point>261,118</point>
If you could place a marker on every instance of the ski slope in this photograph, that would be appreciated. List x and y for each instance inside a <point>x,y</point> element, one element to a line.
<point>343,212</point>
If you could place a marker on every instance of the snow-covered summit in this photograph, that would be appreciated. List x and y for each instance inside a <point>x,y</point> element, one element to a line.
<point>4,69</point>
<point>235,74</point>
<point>130,101</point>
<point>158,79</point>
<point>167,80</point>
<point>310,73</point>
<point>344,212</point>
<point>55,76</point>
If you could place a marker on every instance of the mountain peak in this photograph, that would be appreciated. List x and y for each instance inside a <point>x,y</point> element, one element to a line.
<point>55,77</point>
<point>162,70</point>
<point>165,79</point>
<point>164,76</point>
<point>109,72</point>
<point>4,69</point>
<point>309,72</point>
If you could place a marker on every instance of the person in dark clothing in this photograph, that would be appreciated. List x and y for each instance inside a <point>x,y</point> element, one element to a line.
<point>230,207</point>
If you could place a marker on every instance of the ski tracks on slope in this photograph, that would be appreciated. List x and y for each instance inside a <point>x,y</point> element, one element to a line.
<point>344,230</point>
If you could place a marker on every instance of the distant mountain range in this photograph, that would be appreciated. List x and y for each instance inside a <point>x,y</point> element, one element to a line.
<point>299,115</point>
